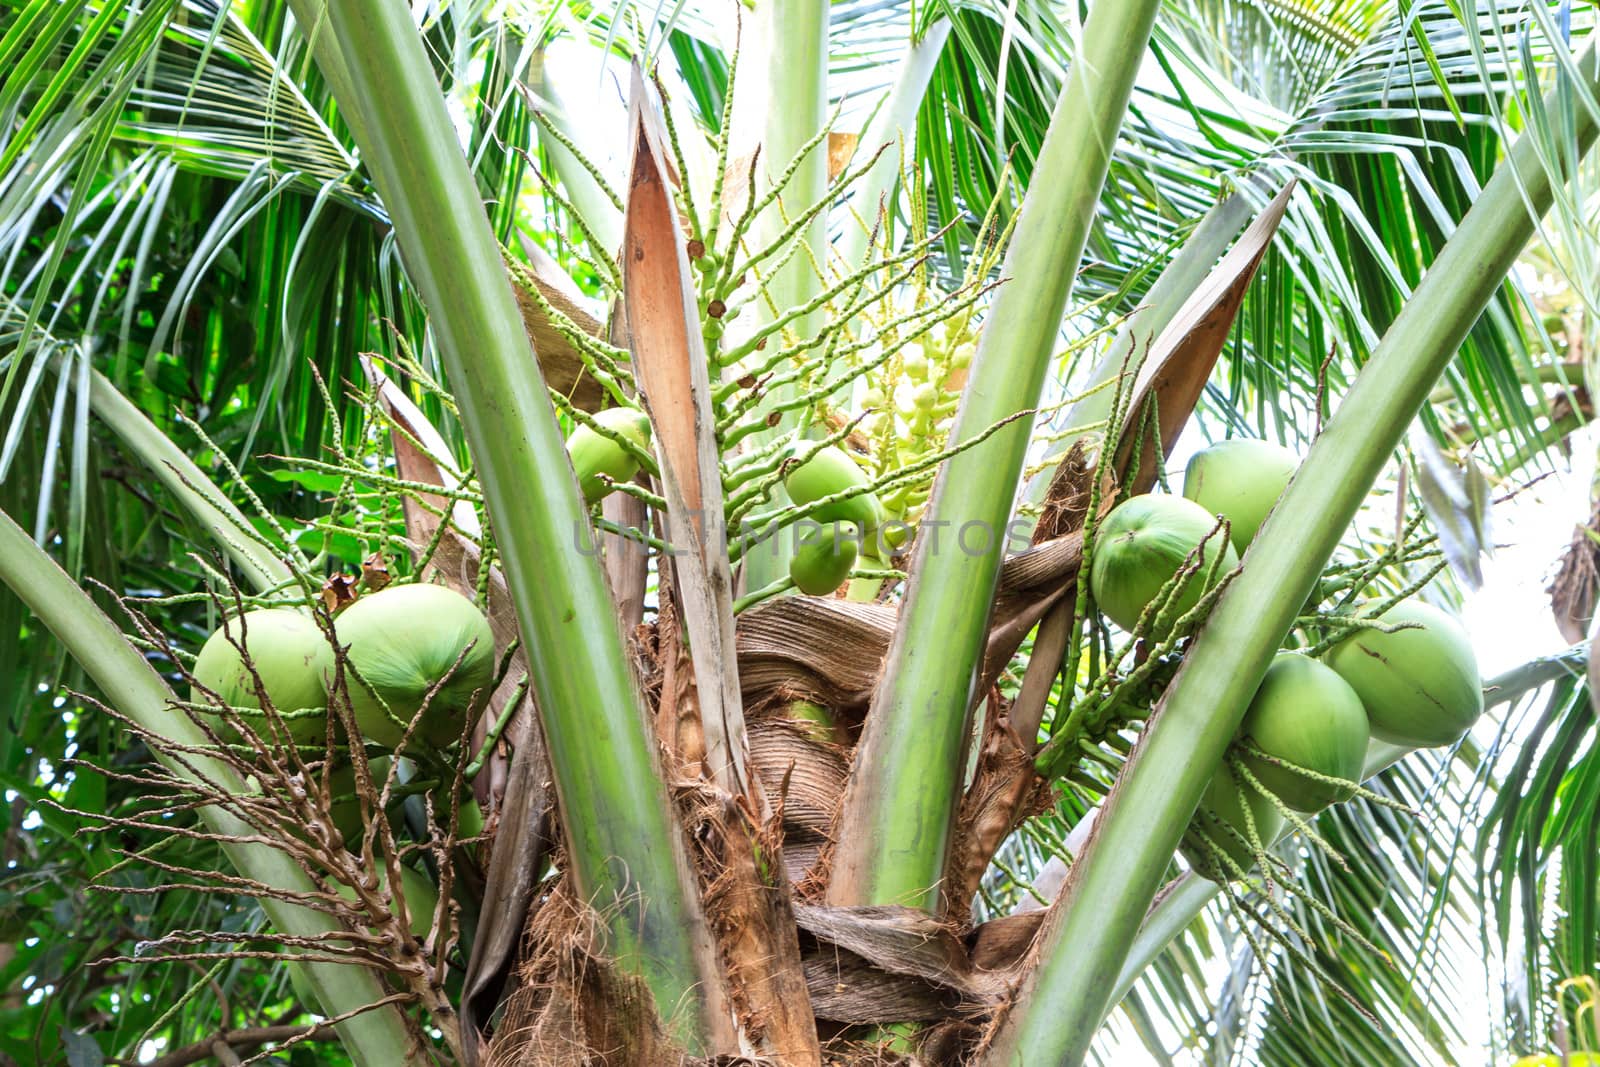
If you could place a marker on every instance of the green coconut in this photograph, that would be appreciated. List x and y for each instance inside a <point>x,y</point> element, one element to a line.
<point>345,806</point>
<point>1420,686</point>
<point>594,454</point>
<point>1142,544</point>
<point>469,818</point>
<point>291,657</point>
<point>1220,821</point>
<point>824,559</point>
<point>824,471</point>
<point>1241,480</point>
<point>403,641</point>
<point>421,899</point>
<point>1305,714</point>
<point>416,889</point>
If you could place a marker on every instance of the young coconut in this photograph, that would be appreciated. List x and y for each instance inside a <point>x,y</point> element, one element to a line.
<point>823,560</point>
<point>820,472</point>
<point>1420,686</point>
<point>1305,714</point>
<point>1220,821</point>
<point>1142,544</point>
<point>291,657</point>
<point>421,900</point>
<point>1241,479</point>
<point>345,805</point>
<point>405,639</point>
<point>416,890</point>
<point>594,454</point>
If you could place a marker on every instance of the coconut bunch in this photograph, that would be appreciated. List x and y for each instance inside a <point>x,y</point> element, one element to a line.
<point>831,418</point>
<point>1400,671</point>
<point>417,659</point>
<point>414,665</point>
<point>381,836</point>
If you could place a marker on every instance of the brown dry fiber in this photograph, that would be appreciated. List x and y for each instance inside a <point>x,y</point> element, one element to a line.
<point>669,365</point>
<point>830,650</point>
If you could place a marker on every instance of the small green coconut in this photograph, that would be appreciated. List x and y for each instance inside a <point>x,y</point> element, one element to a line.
<point>824,559</point>
<point>416,889</point>
<point>594,454</point>
<point>403,641</point>
<point>291,656</point>
<point>469,818</point>
<point>345,806</point>
<point>1220,820</point>
<point>820,472</point>
<point>1142,544</point>
<point>1240,479</point>
<point>422,900</point>
<point>1421,687</point>
<point>1305,714</point>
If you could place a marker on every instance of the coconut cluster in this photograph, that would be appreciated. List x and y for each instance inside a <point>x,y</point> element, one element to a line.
<point>411,650</point>
<point>1407,676</point>
<point>413,653</point>
<point>1414,683</point>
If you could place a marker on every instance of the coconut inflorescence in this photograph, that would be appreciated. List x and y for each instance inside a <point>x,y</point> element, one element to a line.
<point>1142,545</point>
<point>417,892</point>
<point>1241,480</point>
<point>1421,685</point>
<point>403,642</point>
<point>421,901</point>
<point>291,658</point>
<point>823,560</point>
<point>345,804</point>
<point>600,461</point>
<point>1221,822</point>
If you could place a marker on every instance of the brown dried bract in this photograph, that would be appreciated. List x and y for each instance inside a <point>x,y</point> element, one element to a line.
<point>375,572</point>
<point>337,593</point>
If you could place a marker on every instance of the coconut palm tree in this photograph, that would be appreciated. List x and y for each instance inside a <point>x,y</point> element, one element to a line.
<point>299,303</point>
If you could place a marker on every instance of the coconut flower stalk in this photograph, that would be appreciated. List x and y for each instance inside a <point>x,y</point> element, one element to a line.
<point>625,853</point>
<point>1085,942</point>
<point>906,779</point>
<point>376,1038</point>
<point>793,74</point>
